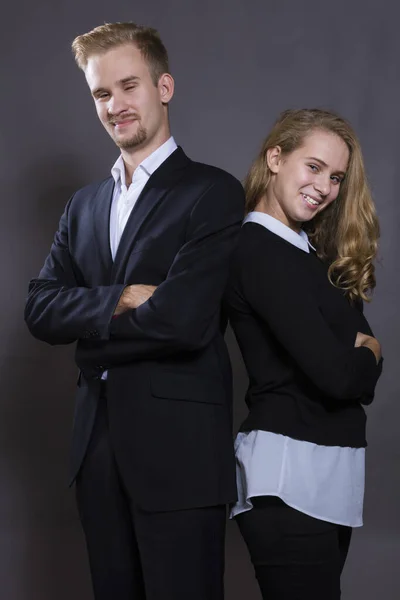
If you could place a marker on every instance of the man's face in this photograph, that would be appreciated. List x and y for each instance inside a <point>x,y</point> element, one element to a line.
<point>130,106</point>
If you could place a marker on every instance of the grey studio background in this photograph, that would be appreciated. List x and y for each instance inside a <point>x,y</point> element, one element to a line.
<point>237,64</point>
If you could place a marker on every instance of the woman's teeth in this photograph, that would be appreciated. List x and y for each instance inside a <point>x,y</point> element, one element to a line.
<point>310,200</point>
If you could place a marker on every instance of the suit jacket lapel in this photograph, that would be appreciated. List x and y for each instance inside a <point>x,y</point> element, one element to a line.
<point>160,182</point>
<point>101,224</point>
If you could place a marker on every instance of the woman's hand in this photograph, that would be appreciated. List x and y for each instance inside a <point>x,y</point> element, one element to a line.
<point>370,342</point>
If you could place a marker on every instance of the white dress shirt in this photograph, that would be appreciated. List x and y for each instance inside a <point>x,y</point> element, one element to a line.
<point>325,482</point>
<point>124,199</point>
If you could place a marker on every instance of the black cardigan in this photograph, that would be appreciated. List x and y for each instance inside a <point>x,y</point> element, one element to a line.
<point>296,332</point>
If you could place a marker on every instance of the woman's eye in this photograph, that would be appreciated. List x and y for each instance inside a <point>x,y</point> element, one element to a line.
<point>314,168</point>
<point>336,179</point>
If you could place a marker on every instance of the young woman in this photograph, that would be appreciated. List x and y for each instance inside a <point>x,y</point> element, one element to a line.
<point>303,267</point>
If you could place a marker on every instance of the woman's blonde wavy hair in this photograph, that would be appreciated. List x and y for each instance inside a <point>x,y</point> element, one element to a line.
<point>346,233</point>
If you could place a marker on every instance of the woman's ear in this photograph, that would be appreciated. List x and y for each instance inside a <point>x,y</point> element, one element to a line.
<point>274,158</point>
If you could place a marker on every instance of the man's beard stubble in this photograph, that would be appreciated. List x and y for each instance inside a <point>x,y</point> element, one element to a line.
<point>136,140</point>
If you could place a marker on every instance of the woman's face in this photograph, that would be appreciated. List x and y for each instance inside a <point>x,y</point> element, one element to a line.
<point>307,180</point>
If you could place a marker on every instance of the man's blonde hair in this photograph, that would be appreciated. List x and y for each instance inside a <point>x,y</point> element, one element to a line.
<point>110,35</point>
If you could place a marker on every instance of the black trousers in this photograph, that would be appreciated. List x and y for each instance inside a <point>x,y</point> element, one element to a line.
<point>139,555</point>
<point>295,557</point>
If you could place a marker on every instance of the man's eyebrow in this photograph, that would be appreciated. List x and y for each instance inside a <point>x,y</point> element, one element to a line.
<point>321,162</point>
<point>128,79</point>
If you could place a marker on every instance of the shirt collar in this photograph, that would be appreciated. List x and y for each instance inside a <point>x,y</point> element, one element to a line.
<point>300,240</point>
<point>148,165</point>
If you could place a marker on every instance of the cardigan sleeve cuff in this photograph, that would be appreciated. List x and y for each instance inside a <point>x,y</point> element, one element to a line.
<point>372,370</point>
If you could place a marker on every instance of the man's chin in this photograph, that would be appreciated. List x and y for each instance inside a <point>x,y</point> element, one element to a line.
<point>126,143</point>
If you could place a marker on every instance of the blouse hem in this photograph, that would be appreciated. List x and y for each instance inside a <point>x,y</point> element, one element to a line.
<point>248,506</point>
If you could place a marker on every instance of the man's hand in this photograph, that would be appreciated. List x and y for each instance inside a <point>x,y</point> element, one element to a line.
<point>370,342</point>
<point>133,296</point>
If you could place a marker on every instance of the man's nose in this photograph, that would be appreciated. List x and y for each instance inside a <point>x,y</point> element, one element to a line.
<point>116,104</point>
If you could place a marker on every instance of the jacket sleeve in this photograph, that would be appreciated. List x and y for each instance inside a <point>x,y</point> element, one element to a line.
<point>58,309</point>
<point>280,297</point>
<point>184,312</point>
<point>364,327</point>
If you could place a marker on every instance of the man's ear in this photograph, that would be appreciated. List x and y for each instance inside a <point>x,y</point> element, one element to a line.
<point>166,86</point>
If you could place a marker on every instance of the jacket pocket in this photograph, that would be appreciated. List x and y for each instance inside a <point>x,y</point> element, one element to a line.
<point>187,386</point>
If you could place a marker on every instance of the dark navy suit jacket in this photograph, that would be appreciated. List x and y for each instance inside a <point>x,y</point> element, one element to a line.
<point>169,379</point>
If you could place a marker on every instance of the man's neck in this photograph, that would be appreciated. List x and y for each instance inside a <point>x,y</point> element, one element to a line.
<point>133,158</point>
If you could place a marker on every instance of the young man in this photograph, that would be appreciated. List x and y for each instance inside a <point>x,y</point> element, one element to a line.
<point>135,275</point>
